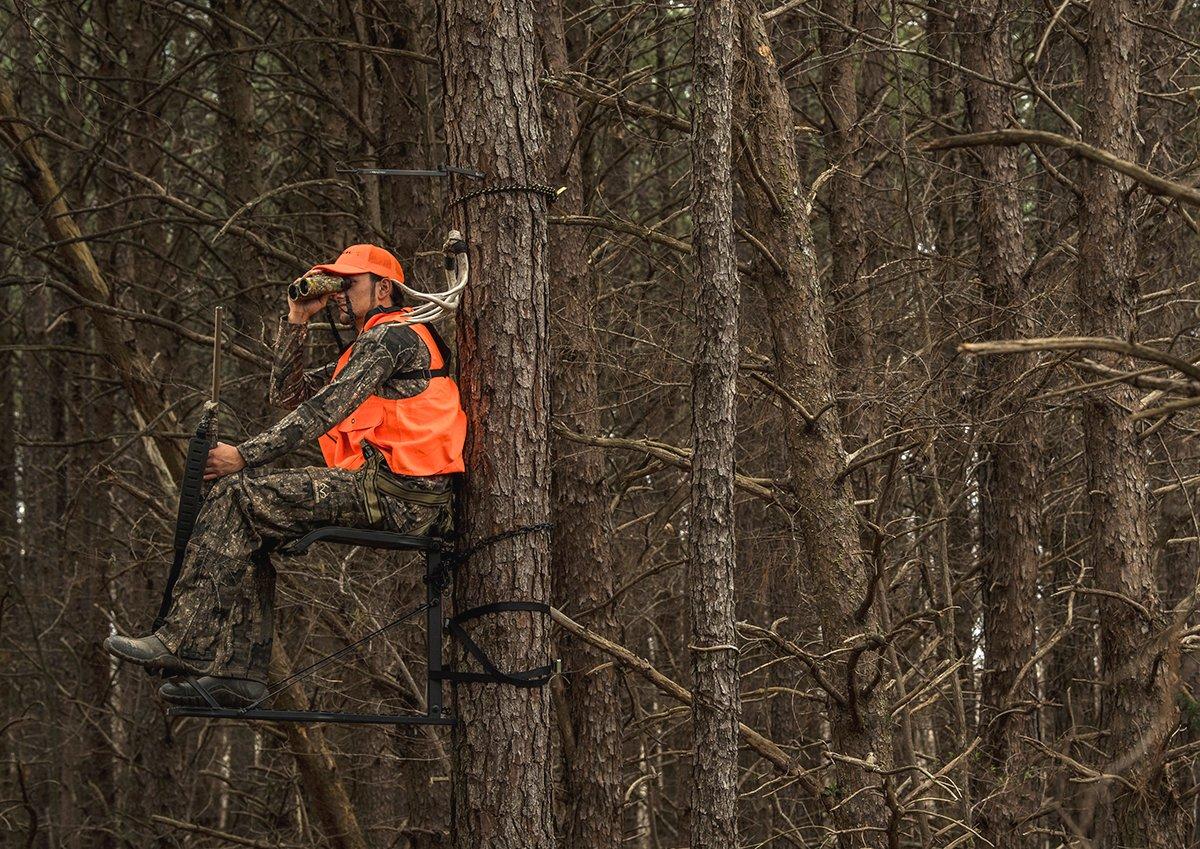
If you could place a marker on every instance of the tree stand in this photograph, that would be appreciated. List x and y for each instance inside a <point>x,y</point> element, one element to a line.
<point>439,571</point>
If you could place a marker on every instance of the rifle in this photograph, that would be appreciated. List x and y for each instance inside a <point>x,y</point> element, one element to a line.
<point>191,488</point>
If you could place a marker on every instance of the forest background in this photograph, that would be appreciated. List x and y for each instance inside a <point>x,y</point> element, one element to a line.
<point>947,599</point>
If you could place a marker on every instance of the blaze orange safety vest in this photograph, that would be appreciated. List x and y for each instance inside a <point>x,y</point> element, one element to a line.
<point>418,436</point>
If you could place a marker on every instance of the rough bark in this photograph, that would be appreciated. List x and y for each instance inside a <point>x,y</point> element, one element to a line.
<point>582,554</point>
<point>1010,448</point>
<point>711,562</point>
<point>490,63</point>
<point>1139,663</point>
<point>854,338</point>
<point>833,570</point>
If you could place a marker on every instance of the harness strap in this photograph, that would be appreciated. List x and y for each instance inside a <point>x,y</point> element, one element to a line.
<point>454,558</point>
<point>501,607</point>
<point>425,373</point>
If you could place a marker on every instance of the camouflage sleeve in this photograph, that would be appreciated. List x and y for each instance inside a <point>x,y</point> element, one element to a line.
<point>377,353</point>
<point>291,383</point>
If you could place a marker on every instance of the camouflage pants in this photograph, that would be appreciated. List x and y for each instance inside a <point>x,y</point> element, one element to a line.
<point>221,621</point>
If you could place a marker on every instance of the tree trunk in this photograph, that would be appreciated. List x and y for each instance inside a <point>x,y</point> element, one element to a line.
<point>1139,663</point>
<point>854,339</point>
<point>833,568</point>
<point>582,559</point>
<point>709,588</point>
<point>406,130</point>
<point>240,161</point>
<point>1009,505</point>
<point>490,67</point>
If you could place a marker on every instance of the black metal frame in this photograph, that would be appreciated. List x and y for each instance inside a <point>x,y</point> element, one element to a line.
<point>435,581</point>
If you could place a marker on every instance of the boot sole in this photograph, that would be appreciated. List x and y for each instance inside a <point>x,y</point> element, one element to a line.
<point>222,697</point>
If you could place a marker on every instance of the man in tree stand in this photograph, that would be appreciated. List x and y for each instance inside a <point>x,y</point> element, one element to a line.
<point>388,419</point>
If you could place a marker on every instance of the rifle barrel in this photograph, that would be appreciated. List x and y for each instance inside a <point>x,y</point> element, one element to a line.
<point>216,357</point>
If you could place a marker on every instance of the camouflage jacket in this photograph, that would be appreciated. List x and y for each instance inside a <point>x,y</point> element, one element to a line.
<point>317,401</point>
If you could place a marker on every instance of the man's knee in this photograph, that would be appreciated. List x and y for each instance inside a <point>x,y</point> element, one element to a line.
<point>229,486</point>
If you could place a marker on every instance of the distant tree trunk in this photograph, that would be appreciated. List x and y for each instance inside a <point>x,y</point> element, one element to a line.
<point>145,35</point>
<point>1009,495</point>
<point>582,555</point>
<point>833,569</point>
<point>241,165</point>
<point>1139,664</point>
<point>12,567</point>
<point>854,340</point>
<point>948,449</point>
<point>712,640</point>
<point>43,498</point>
<point>10,360</point>
<point>406,128</point>
<point>490,68</point>
<point>89,777</point>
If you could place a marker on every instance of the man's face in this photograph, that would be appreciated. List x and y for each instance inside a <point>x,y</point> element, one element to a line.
<point>359,296</point>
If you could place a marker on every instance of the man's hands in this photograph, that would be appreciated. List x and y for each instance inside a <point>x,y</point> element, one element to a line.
<point>224,459</point>
<point>299,312</point>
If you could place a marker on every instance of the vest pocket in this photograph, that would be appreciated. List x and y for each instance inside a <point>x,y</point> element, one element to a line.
<point>368,416</point>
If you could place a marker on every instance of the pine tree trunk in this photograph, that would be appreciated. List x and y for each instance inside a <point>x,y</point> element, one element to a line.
<point>832,569</point>
<point>490,67</point>
<point>582,557</point>
<point>1139,666</point>
<point>240,159</point>
<point>712,640</point>
<point>1009,505</point>
<point>854,339</point>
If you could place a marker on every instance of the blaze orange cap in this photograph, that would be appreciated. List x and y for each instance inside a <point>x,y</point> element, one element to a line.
<point>360,259</point>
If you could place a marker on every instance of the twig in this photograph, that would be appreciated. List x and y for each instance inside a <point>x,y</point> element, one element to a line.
<point>220,835</point>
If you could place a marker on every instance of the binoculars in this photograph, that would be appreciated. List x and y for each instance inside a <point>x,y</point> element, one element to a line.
<point>315,286</point>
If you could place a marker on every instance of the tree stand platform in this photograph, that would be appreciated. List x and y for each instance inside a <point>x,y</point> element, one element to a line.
<point>439,570</point>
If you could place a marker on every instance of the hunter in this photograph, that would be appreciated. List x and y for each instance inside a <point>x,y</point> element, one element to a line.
<point>390,426</point>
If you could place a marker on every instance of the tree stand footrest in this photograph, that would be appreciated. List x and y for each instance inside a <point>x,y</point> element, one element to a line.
<point>529,678</point>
